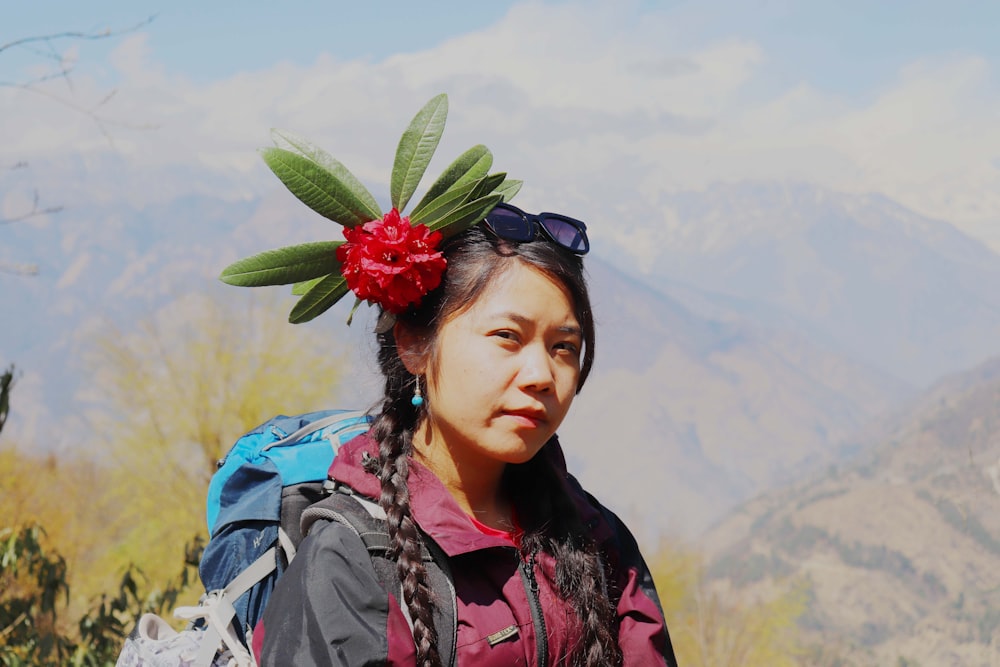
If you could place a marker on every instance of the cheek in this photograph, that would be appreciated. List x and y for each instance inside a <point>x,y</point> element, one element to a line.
<point>473,362</point>
<point>569,380</point>
<point>463,375</point>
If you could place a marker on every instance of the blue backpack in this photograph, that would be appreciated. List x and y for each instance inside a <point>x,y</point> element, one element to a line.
<point>255,501</point>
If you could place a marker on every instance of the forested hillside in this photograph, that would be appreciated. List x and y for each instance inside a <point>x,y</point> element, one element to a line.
<point>899,550</point>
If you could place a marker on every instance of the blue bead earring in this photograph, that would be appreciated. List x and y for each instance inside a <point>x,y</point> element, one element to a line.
<point>418,398</point>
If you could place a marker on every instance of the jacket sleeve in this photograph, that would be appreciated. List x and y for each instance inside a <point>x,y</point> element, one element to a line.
<point>330,609</point>
<point>642,629</point>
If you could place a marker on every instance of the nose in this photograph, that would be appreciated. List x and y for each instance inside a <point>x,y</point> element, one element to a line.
<point>536,372</point>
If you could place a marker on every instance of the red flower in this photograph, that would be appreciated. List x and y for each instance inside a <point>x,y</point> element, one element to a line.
<point>390,262</point>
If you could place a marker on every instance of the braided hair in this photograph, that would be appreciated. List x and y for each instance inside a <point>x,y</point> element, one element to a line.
<point>475,259</point>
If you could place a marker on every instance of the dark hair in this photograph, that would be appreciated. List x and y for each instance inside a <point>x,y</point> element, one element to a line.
<point>475,259</point>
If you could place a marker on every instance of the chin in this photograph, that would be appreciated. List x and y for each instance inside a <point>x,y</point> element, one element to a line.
<point>523,454</point>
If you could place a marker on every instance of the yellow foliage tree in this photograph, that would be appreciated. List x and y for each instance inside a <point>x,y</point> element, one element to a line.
<point>171,397</point>
<point>712,629</point>
<point>61,494</point>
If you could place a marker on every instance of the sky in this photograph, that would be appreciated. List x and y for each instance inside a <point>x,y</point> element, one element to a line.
<point>602,107</point>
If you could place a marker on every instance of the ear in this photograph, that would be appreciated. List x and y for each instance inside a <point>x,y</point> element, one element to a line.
<point>411,348</point>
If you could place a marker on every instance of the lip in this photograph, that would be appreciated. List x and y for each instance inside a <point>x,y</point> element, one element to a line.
<point>527,417</point>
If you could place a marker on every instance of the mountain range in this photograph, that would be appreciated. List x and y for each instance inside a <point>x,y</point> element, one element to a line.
<point>910,296</point>
<point>772,323</point>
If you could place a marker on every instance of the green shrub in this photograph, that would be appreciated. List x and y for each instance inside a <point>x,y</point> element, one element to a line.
<point>34,593</point>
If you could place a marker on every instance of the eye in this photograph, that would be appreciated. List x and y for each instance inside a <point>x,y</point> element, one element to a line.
<point>568,346</point>
<point>506,334</point>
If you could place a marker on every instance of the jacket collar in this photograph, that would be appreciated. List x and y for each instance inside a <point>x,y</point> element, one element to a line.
<point>432,505</point>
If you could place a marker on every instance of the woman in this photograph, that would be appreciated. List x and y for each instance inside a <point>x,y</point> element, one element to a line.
<point>481,359</point>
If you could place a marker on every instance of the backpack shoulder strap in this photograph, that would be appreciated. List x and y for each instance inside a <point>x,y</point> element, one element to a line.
<point>368,520</point>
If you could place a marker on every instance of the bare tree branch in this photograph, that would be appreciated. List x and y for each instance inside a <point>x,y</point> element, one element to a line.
<point>45,47</point>
<point>18,269</point>
<point>102,122</point>
<point>36,210</point>
<point>100,34</point>
<point>65,69</point>
<point>49,51</point>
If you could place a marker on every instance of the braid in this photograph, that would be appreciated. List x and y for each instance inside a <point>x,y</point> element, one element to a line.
<point>580,577</point>
<point>393,430</point>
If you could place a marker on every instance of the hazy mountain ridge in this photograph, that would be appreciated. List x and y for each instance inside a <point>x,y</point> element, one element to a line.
<point>900,547</point>
<point>905,294</point>
<point>694,415</point>
<point>100,263</point>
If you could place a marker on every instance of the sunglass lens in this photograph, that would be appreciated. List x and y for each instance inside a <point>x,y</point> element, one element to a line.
<point>567,234</point>
<point>510,225</point>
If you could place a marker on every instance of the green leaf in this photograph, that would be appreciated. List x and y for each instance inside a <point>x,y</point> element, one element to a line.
<point>293,142</point>
<point>508,189</point>
<point>487,185</point>
<point>446,202</point>
<point>469,166</point>
<point>415,150</point>
<point>305,148</point>
<point>354,309</point>
<point>301,288</point>
<point>319,298</point>
<point>319,188</point>
<point>283,266</point>
<point>456,197</point>
<point>465,216</point>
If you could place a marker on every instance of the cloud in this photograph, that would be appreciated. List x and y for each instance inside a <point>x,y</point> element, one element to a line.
<point>590,103</point>
<point>132,58</point>
<point>74,271</point>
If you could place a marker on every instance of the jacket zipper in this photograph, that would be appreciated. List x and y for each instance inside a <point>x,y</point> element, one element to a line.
<point>527,569</point>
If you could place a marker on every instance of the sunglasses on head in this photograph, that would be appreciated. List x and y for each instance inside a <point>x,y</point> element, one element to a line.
<point>512,224</point>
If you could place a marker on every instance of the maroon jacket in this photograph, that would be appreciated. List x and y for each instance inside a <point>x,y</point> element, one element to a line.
<point>330,609</point>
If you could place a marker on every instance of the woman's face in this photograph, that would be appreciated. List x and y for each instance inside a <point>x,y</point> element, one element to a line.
<point>505,371</point>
